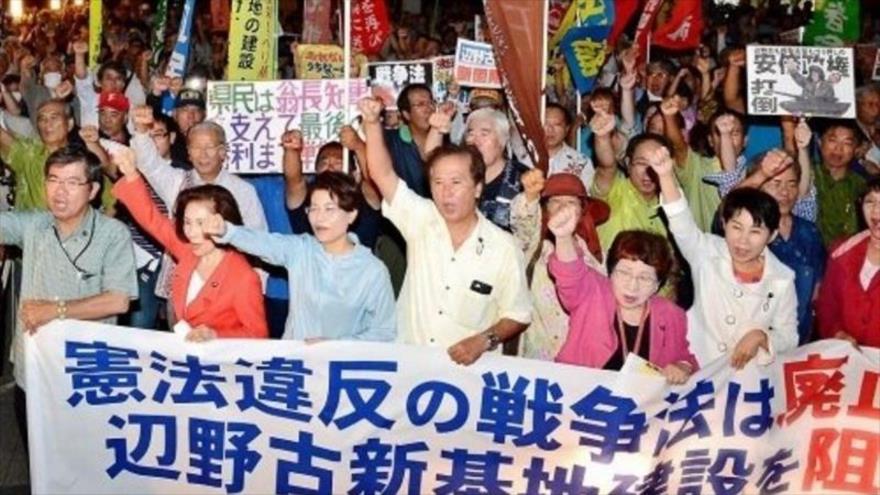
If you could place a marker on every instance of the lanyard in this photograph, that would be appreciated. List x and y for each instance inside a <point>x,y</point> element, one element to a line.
<point>622,333</point>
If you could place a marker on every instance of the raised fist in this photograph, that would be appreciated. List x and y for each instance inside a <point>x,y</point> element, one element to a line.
<point>533,184</point>
<point>349,138</point>
<point>80,47</point>
<point>143,118</point>
<point>89,134</point>
<point>292,140</point>
<point>371,109</point>
<point>602,124</point>
<point>563,222</point>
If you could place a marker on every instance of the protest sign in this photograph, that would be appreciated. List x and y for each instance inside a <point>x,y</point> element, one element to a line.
<point>387,79</point>
<point>252,41</point>
<point>320,62</point>
<point>876,72</point>
<point>443,75</point>
<point>96,29</point>
<point>800,80</point>
<point>475,65</point>
<point>177,62</point>
<point>834,23</point>
<point>370,26</point>
<point>115,410</point>
<point>256,114</point>
<point>792,36</point>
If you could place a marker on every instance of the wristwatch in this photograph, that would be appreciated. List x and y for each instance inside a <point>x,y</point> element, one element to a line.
<point>61,309</point>
<point>492,339</point>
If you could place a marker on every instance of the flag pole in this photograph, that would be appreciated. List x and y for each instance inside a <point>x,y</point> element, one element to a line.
<point>648,61</point>
<point>543,104</point>
<point>346,70</point>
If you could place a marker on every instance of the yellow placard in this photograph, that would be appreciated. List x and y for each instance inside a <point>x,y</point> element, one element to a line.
<point>252,41</point>
<point>319,62</point>
<point>96,27</point>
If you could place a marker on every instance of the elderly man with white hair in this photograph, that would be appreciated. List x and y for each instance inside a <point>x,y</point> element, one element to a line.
<point>489,131</point>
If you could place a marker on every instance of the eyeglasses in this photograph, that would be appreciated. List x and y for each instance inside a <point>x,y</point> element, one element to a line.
<point>642,281</point>
<point>327,210</point>
<point>208,150</point>
<point>67,183</point>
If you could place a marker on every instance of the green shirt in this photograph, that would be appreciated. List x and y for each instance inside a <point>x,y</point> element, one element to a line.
<point>838,213</point>
<point>629,211</point>
<point>703,198</point>
<point>26,158</point>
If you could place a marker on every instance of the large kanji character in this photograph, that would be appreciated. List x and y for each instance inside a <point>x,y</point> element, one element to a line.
<point>208,449</point>
<point>732,482</point>
<point>240,124</point>
<point>199,384</point>
<point>363,408</point>
<point>437,391</point>
<point>102,374</point>
<point>868,395</point>
<point>289,99</point>
<point>611,423</point>
<point>544,406</point>
<point>373,465</point>
<point>853,469</point>
<point>306,452</point>
<point>125,460</point>
<point>503,406</point>
<point>655,482</point>
<point>815,384</point>
<point>474,473</point>
<point>693,471</point>
<point>538,480</point>
<point>751,426</point>
<point>689,414</point>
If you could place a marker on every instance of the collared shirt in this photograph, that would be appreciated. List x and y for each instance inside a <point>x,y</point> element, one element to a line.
<point>804,253</point>
<point>567,159</point>
<point>838,213</point>
<point>407,162</point>
<point>100,246</point>
<point>451,294</point>
<point>629,211</point>
<point>346,296</point>
<point>703,198</point>
<point>26,158</point>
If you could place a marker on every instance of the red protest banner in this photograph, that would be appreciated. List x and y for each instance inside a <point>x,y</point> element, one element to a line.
<point>316,22</point>
<point>683,28</point>
<point>517,29</point>
<point>370,25</point>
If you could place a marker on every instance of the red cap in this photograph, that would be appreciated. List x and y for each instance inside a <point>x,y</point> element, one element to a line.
<point>595,211</point>
<point>114,100</point>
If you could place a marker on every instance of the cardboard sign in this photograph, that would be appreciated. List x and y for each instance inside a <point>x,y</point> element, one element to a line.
<point>475,65</point>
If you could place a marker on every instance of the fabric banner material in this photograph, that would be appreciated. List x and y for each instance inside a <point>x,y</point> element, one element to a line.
<point>116,410</point>
<point>387,79</point>
<point>517,30</point>
<point>316,22</point>
<point>834,23</point>
<point>584,50</point>
<point>370,26</point>
<point>800,80</point>
<point>584,13</point>
<point>320,62</point>
<point>556,14</point>
<point>96,28</point>
<point>256,114</point>
<point>683,28</point>
<point>180,55</point>
<point>475,65</point>
<point>645,26</point>
<point>252,41</point>
<point>220,15</point>
<point>623,12</point>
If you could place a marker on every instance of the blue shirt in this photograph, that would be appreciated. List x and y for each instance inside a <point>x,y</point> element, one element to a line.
<point>762,137</point>
<point>804,253</point>
<point>345,296</point>
<point>271,192</point>
<point>407,162</point>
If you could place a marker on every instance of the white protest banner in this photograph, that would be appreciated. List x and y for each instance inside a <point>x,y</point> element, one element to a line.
<point>475,65</point>
<point>256,114</point>
<point>115,410</point>
<point>387,79</point>
<point>792,36</point>
<point>800,80</point>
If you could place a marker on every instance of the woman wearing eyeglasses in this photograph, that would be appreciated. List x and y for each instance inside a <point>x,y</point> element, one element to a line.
<point>338,289</point>
<point>214,290</point>
<point>614,316</point>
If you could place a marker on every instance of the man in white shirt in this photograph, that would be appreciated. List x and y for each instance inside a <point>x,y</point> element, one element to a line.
<point>465,287</point>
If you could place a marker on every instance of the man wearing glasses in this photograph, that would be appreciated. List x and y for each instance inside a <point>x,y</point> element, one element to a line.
<point>77,262</point>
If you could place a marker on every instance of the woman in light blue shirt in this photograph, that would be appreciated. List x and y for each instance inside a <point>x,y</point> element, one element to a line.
<point>338,289</point>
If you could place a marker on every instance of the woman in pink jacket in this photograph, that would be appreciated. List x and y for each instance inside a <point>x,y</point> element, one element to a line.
<point>611,317</point>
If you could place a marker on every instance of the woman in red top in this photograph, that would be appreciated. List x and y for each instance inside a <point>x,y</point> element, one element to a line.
<point>848,306</point>
<point>215,290</point>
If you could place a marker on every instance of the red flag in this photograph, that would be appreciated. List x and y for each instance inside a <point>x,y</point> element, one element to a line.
<point>517,30</point>
<point>683,28</point>
<point>623,12</point>
<point>370,26</point>
<point>645,22</point>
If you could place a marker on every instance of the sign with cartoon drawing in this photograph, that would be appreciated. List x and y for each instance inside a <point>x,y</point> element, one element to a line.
<point>801,80</point>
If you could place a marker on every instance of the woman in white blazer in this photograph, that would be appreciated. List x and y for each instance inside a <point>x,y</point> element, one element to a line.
<point>745,303</point>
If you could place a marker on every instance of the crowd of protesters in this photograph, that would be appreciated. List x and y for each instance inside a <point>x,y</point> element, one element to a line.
<point>675,227</point>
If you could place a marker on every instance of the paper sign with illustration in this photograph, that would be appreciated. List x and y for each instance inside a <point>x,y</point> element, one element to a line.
<point>801,80</point>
